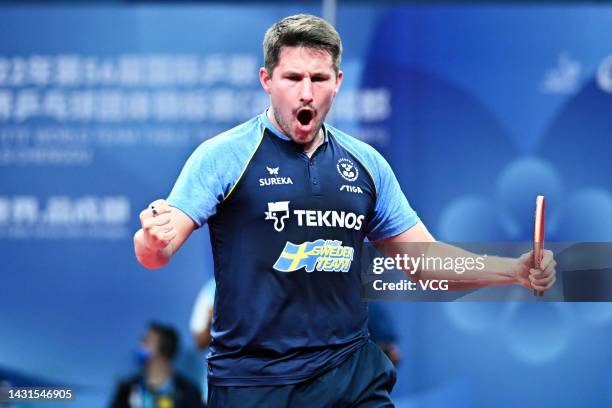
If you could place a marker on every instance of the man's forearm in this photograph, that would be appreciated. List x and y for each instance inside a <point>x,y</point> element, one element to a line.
<point>415,247</point>
<point>150,258</point>
<point>495,270</point>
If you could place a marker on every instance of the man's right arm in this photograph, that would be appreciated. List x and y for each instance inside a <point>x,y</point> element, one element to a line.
<point>163,232</point>
<point>207,178</point>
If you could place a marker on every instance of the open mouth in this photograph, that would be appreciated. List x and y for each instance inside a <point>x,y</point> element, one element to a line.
<point>305,116</point>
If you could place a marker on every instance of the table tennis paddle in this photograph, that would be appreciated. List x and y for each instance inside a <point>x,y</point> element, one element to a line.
<point>538,236</point>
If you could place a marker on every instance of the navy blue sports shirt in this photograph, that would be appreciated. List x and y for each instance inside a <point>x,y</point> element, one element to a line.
<point>286,233</point>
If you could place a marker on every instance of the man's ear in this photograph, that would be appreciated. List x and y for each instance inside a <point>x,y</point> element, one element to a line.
<point>265,79</point>
<point>338,82</point>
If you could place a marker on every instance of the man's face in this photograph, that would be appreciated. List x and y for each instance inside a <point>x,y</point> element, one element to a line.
<point>301,89</point>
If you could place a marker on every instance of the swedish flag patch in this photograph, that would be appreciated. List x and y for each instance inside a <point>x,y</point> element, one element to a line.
<point>321,255</point>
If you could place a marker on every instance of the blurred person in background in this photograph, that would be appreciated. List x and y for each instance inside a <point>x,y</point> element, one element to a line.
<point>157,385</point>
<point>4,387</point>
<point>200,324</point>
<point>289,201</point>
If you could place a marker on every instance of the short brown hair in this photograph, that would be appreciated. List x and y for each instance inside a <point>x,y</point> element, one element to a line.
<point>301,30</point>
<point>168,339</point>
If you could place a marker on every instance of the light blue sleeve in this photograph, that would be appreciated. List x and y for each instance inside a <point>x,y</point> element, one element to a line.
<point>213,169</point>
<point>392,212</point>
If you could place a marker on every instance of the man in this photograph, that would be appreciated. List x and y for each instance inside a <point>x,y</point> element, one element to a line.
<point>157,386</point>
<point>289,202</point>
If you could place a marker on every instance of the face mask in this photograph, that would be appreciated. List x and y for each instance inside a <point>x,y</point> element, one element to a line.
<point>142,355</point>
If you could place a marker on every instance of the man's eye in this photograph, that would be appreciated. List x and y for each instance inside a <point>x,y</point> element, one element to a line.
<point>318,79</point>
<point>293,78</point>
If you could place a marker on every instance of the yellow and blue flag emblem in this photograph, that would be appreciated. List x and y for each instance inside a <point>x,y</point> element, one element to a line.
<point>321,255</point>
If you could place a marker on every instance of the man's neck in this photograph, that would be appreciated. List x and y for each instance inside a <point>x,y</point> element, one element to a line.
<point>157,373</point>
<point>317,141</point>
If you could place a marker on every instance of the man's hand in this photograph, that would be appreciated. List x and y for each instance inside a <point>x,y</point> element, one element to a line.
<point>158,231</point>
<point>539,279</point>
<point>164,230</point>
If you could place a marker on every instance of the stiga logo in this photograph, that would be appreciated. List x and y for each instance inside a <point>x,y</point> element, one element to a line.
<point>351,189</point>
<point>320,255</point>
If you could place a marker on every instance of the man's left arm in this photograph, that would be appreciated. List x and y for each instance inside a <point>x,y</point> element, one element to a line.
<point>397,230</point>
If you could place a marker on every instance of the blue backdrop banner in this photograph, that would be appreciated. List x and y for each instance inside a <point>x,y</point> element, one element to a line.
<point>477,108</point>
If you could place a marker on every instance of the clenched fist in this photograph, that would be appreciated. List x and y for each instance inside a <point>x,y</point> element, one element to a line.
<point>539,279</point>
<point>157,229</point>
<point>164,230</point>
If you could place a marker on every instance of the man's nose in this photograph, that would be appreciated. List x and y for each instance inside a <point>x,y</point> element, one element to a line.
<point>306,91</point>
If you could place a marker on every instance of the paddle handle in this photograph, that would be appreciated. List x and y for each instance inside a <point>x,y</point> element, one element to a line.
<point>537,262</point>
